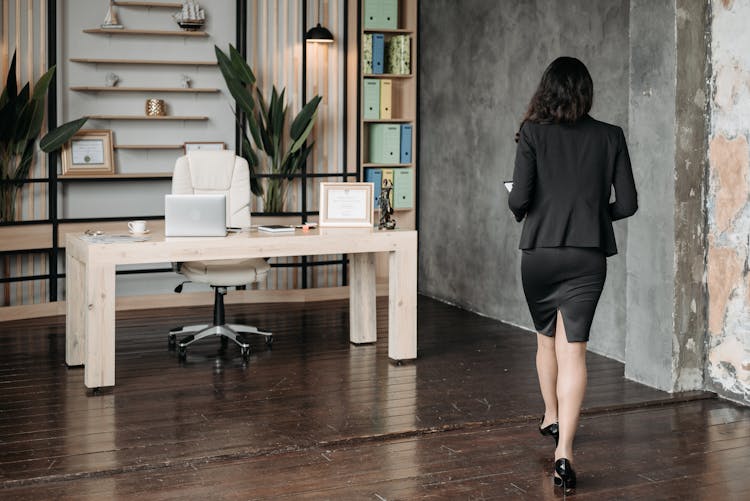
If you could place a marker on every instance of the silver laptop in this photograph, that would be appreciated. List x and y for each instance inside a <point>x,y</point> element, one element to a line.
<point>195,215</point>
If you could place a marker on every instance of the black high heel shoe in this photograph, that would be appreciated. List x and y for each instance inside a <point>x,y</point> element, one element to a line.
<point>566,477</point>
<point>552,430</point>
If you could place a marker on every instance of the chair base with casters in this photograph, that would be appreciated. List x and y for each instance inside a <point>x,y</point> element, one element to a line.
<point>198,271</point>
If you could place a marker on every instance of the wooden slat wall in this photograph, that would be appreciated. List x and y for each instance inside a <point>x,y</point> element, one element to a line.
<point>23,26</point>
<point>275,38</point>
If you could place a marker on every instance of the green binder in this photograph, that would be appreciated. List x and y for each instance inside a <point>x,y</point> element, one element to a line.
<point>385,143</point>
<point>381,14</point>
<point>371,99</point>
<point>367,54</point>
<point>402,188</point>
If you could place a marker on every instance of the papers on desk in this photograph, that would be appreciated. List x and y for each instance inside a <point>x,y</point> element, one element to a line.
<point>114,239</point>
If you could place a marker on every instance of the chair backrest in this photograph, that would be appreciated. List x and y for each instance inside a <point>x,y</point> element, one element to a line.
<point>216,172</point>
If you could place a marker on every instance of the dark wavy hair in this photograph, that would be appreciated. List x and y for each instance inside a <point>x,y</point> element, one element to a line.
<point>565,94</point>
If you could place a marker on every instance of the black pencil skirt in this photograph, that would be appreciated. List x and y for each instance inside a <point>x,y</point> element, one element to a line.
<point>569,279</point>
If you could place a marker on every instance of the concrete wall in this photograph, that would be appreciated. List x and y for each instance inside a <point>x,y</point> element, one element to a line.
<point>728,339</point>
<point>480,62</point>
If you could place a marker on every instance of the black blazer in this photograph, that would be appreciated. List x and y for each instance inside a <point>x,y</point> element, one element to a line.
<point>562,182</point>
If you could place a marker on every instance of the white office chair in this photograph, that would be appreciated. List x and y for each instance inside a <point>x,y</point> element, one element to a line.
<point>217,172</point>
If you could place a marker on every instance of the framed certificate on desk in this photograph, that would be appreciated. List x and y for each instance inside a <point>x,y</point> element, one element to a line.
<point>346,204</point>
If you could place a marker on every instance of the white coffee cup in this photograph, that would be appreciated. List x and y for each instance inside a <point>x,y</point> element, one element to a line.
<point>137,226</point>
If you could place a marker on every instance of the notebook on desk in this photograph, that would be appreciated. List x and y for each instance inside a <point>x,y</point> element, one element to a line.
<point>195,215</point>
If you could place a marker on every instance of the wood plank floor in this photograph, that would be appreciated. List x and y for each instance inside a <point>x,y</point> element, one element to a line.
<point>318,418</point>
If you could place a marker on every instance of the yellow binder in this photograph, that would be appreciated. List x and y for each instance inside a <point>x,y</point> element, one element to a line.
<point>386,92</point>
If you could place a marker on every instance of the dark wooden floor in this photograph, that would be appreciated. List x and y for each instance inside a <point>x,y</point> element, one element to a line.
<point>317,418</point>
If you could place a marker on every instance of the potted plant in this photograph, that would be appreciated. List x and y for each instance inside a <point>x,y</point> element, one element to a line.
<point>266,123</point>
<point>21,118</point>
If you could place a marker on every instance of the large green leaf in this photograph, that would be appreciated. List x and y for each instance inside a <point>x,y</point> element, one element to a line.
<point>303,118</point>
<point>11,85</point>
<point>252,124</point>
<point>252,160</point>
<point>24,166</point>
<point>225,65</point>
<point>59,136</point>
<point>42,85</point>
<point>7,121</point>
<point>242,96</point>
<point>241,69</point>
<point>23,122</point>
<point>303,137</point>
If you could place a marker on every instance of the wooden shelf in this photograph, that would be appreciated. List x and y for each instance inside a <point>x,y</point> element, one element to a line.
<point>159,62</point>
<point>165,33</point>
<point>388,120</point>
<point>143,117</point>
<point>144,89</point>
<point>385,166</point>
<point>157,5</point>
<point>112,177</point>
<point>148,146</point>
<point>399,31</point>
<point>386,75</point>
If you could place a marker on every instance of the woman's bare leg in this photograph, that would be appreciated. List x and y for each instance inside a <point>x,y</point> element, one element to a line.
<point>571,386</point>
<point>546,369</point>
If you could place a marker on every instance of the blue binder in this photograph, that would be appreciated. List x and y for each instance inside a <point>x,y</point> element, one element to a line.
<point>375,176</point>
<point>406,143</point>
<point>378,53</point>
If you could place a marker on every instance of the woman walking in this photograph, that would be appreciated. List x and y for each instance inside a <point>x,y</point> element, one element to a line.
<point>566,165</point>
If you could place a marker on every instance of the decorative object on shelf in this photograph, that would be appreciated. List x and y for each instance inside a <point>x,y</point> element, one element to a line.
<point>111,79</point>
<point>156,108</point>
<point>287,156</point>
<point>110,20</point>
<point>186,81</point>
<point>386,210</point>
<point>346,204</point>
<point>192,17</point>
<point>21,119</point>
<point>88,152</point>
<point>399,55</point>
<point>203,145</point>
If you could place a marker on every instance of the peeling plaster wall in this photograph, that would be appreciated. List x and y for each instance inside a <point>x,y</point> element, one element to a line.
<point>728,204</point>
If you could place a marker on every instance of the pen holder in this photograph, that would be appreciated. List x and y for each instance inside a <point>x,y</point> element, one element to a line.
<point>156,108</point>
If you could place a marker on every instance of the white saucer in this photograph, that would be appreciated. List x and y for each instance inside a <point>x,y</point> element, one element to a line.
<point>139,232</point>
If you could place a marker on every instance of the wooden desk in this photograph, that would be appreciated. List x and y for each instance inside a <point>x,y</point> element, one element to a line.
<point>90,284</point>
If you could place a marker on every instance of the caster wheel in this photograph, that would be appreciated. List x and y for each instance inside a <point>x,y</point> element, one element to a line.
<point>245,352</point>
<point>172,341</point>
<point>269,341</point>
<point>182,353</point>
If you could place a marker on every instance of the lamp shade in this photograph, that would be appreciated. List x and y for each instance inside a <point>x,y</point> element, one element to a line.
<point>319,34</point>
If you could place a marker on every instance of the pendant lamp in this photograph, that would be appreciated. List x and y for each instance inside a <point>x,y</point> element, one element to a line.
<point>319,34</point>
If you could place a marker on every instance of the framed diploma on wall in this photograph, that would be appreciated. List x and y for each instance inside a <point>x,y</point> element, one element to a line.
<point>88,152</point>
<point>346,204</point>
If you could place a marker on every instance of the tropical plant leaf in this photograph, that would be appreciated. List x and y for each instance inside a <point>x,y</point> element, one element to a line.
<point>42,85</point>
<point>240,67</point>
<point>37,121</point>
<point>225,65</point>
<point>7,121</point>
<point>303,117</point>
<point>54,139</point>
<point>241,95</point>
<point>303,137</point>
<point>11,85</point>
<point>252,159</point>
<point>252,124</point>
<point>24,166</point>
<point>23,122</point>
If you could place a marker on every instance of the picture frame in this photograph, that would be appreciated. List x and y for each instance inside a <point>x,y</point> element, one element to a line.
<point>189,146</point>
<point>88,152</point>
<point>347,205</point>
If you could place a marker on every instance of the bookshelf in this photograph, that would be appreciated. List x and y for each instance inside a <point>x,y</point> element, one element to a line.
<point>365,132</point>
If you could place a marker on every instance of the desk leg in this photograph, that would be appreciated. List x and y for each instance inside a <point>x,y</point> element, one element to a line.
<point>402,302</point>
<point>100,326</point>
<point>362,307</point>
<point>75,304</point>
